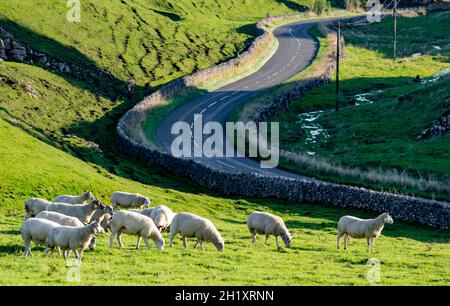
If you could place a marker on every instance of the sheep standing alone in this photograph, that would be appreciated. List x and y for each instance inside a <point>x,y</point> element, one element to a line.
<point>69,199</point>
<point>161,215</point>
<point>34,206</point>
<point>75,239</point>
<point>370,229</point>
<point>129,200</point>
<point>83,212</point>
<point>132,223</point>
<point>190,225</point>
<point>36,230</point>
<point>268,224</point>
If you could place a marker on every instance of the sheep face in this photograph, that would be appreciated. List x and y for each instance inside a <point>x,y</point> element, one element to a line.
<point>108,209</point>
<point>147,203</point>
<point>388,219</point>
<point>219,244</point>
<point>159,243</point>
<point>287,237</point>
<point>90,196</point>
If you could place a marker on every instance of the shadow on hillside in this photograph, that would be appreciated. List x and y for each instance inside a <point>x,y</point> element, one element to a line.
<point>12,249</point>
<point>414,36</point>
<point>10,232</point>
<point>293,5</point>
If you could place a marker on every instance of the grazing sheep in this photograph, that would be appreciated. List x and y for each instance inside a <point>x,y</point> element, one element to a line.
<point>69,199</point>
<point>190,225</point>
<point>75,239</point>
<point>83,212</point>
<point>161,215</point>
<point>132,223</point>
<point>129,200</point>
<point>64,220</point>
<point>34,206</point>
<point>370,229</point>
<point>268,224</point>
<point>59,218</point>
<point>103,215</point>
<point>36,230</point>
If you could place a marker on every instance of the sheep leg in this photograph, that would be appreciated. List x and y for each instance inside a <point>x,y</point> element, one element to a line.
<point>171,240</point>
<point>346,237</point>
<point>201,246</point>
<point>119,239</point>
<point>195,245</point>
<point>276,241</point>
<point>184,242</point>
<point>372,242</point>
<point>77,255</point>
<point>138,242</point>
<point>267,238</point>
<point>111,239</point>
<point>368,245</point>
<point>338,240</point>
<point>81,253</point>
<point>27,249</point>
<point>66,254</point>
<point>147,243</point>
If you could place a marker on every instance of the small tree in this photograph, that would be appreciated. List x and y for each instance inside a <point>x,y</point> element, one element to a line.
<point>319,6</point>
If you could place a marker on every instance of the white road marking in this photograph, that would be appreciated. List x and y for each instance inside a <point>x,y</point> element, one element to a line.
<point>234,93</point>
<point>212,104</point>
<point>224,98</point>
<point>220,162</point>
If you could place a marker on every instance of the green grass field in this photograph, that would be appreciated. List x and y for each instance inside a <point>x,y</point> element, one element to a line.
<point>408,254</point>
<point>382,135</point>
<point>38,158</point>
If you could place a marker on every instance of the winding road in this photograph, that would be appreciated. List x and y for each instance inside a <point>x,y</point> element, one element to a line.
<point>296,51</point>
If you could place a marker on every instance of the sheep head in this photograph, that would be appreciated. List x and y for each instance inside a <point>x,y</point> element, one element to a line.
<point>287,238</point>
<point>387,218</point>
<point>90,196</point>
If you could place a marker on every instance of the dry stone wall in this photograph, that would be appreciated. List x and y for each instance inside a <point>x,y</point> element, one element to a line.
<point>410,209</point>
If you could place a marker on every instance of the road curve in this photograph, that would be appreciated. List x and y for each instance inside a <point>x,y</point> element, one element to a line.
<point>296,51</point>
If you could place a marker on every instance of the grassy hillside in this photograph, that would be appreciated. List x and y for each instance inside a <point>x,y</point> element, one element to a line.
<point>151,42</point>
<point>408,254</point>
<point>383,134</point>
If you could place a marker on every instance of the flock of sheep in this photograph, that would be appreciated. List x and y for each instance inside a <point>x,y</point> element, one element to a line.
<point>69,224</point>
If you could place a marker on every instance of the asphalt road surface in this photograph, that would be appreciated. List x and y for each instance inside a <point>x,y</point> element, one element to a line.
<point>296,51</point>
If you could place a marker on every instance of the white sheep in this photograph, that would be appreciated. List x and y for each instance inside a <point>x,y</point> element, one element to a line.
<point>75,239</point>
<point>132,223</point>
<point>129,200</point>
<point>34,206</point>
<point>83,212</point>
<point>102,215</point>
<point>64,220</point>
<point>59,218</point>
<point>36,230</point>
<point>190,225</point>
<point>69,199</point>
<point>268,224</point>
<point>370,229</point>
<point>161,215</point>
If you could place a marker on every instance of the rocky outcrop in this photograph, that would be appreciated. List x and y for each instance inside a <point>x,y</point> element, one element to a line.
<point>439,127</point>
<point>12,49</point>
